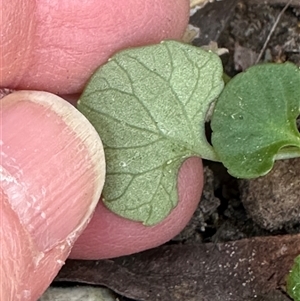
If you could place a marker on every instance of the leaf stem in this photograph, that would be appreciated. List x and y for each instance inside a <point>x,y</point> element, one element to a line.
<point>288,153</point>
<point>226,78</point>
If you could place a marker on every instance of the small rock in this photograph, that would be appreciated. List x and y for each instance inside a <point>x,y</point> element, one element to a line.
<point>243,57</point>
<point>78,293</point>
<point>273,201</point>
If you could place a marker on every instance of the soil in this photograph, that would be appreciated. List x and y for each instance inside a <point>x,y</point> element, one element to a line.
<point>236,210</point>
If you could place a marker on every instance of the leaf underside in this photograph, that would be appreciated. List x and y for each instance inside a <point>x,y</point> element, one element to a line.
<point>148,105</point>
<point>255,119</point>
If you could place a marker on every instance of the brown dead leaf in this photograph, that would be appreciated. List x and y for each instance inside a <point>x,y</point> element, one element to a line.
<point>232,271</point>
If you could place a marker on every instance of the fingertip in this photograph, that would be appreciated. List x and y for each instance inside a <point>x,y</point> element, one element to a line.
<point>26,272</point>
<point>109,235</point>
<point>52,164</point>
<point>52,172</point>
<point>65,42</point>
<point>190,181</point>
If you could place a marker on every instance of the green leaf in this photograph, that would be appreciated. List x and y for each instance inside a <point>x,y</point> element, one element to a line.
<point>293,281</point>
<point>148,104</point>
<point>254,121</point>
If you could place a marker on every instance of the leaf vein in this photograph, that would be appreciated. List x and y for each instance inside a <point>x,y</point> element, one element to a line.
<point>134,146</point>
<point>122,121</point>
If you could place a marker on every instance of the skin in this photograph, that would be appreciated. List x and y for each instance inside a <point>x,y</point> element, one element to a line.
<point>118,236</point>
<point>56,50</point>
<point>35,239</point>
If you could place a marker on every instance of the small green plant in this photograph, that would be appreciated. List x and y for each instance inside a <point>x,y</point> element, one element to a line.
<point>254,121</point>
<point>150,105</point>
<point>293,281</point>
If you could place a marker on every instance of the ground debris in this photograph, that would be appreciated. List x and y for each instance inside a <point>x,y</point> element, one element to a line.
<point>231,271</point>
<point>273,201</point>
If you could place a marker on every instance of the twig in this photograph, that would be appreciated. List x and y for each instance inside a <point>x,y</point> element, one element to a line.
<point>272,31</point>
<point>294,3</point>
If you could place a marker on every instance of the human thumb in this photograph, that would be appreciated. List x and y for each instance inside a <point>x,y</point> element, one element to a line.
<point>51,176</point>
<point>57,45</point>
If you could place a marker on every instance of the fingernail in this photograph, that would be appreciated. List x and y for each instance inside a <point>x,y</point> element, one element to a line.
<point>52,165</point>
